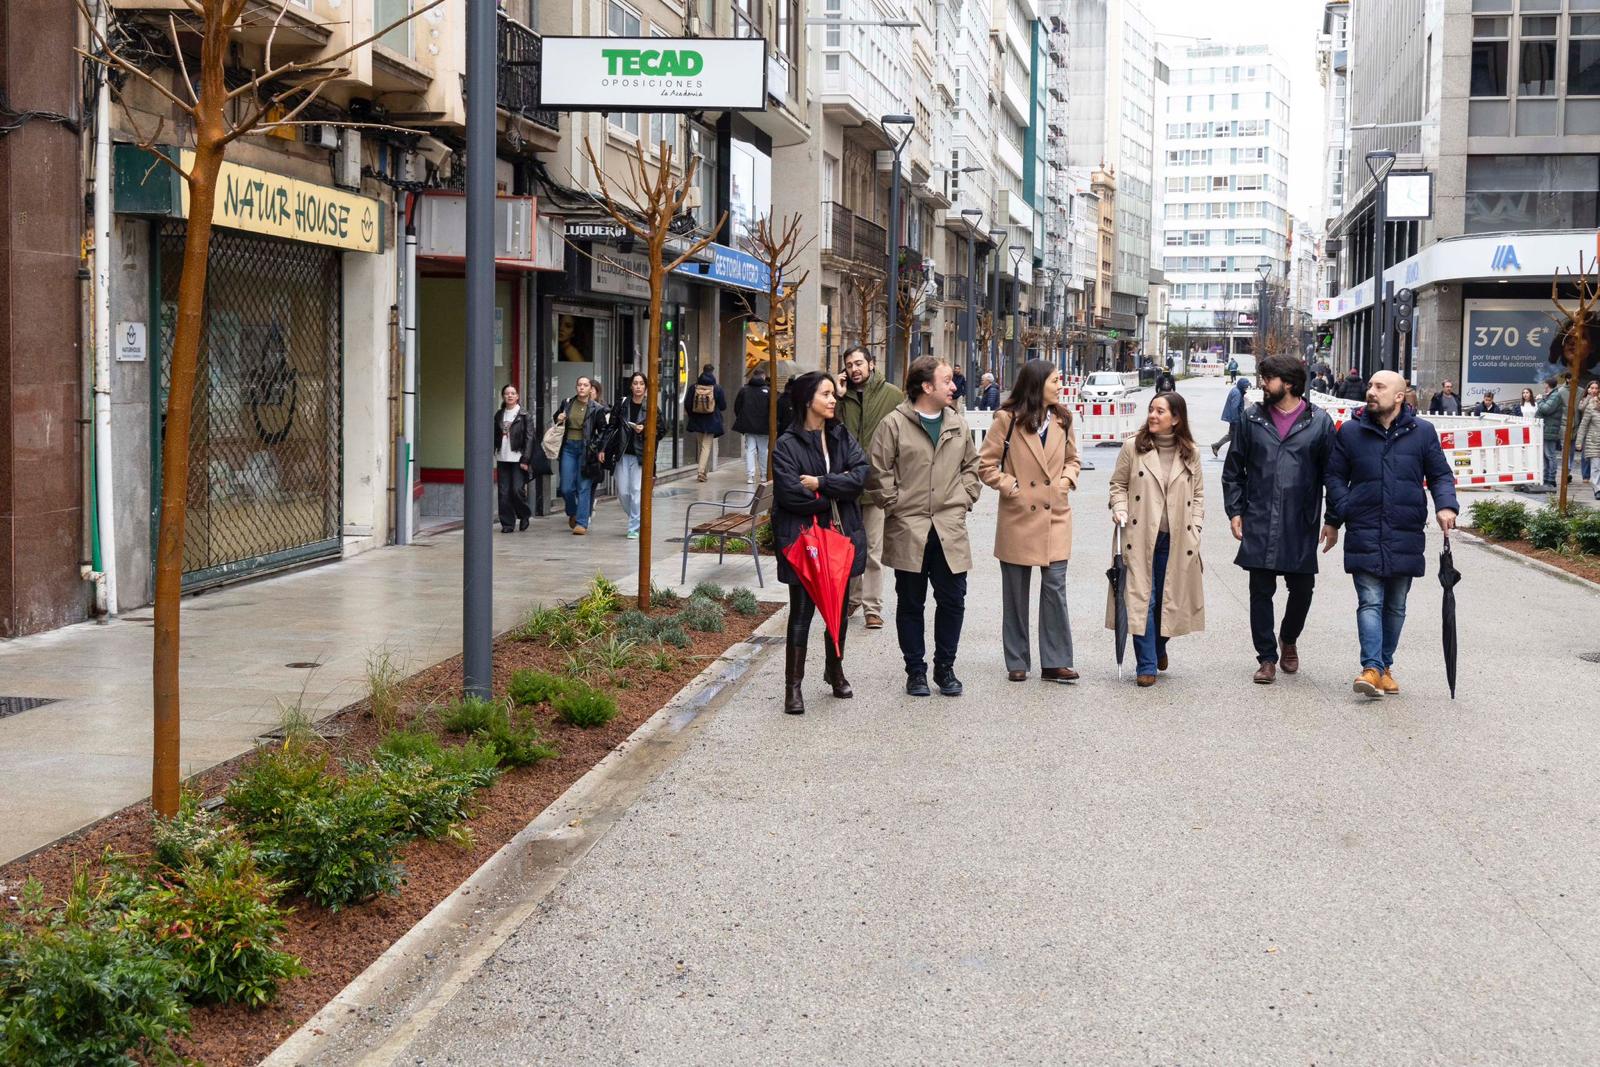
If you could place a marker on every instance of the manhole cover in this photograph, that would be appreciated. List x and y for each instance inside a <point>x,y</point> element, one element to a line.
<point>1590,657</point>
<point>303,665</point>
<point>12,705</point>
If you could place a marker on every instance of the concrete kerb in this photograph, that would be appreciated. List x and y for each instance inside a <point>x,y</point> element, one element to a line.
<point>1528,561</point>
<point>372,1019</point>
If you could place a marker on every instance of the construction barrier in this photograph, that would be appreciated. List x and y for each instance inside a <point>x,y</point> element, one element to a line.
<point>1115,420</point>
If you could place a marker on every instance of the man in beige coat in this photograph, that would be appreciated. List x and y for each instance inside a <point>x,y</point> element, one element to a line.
<point>925,478</point>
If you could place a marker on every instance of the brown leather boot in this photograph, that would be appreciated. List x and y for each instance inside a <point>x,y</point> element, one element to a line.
<point>833,669</point>
<point>794,674</point>
<point>1266,673</point>
<point>1289,659</point>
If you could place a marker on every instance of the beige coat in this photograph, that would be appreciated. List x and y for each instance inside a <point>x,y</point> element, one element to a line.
<point>1035,524</point>
<point>921,488</point>
<point>1138,488</point>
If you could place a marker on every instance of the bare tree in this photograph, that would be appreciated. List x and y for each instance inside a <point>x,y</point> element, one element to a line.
<point>1575,349</point>
<point>216,116</point>
<point>866,327</point>
<point>655,197</point>
<point>779,247</point>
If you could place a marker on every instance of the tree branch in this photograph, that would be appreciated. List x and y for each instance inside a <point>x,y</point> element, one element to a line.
<point>113,58</point>
<point>607,201</point>
<point>274,73</point>
<point>183,64</point>
<point>312,89</point>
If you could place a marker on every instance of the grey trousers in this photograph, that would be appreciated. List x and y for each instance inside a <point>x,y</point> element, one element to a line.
<point>1055,630</point>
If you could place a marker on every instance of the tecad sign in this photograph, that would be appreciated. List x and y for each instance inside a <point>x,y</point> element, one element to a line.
<point>654,74</point>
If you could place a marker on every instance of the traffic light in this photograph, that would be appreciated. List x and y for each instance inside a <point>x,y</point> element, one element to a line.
<point>1405,306</point>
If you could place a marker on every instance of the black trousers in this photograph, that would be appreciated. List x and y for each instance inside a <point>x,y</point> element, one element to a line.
<point>1263,586</point>
<point>801,610</point>
<point>513,483</point>
<point>950,608</point>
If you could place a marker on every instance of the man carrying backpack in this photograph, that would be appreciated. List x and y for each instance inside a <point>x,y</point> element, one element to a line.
<point>706,403</point>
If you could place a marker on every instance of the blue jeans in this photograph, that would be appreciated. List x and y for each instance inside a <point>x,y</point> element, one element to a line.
<point>1380,616</point>
<point>1552,461</point>
<point>630,488</point>
<point>1147,648</point>
<point>576,490</point>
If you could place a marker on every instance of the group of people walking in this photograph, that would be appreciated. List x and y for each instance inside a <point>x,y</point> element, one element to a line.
<point>899,473</point>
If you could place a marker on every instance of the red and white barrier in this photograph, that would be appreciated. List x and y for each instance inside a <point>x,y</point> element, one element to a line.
<point>1115,420</point>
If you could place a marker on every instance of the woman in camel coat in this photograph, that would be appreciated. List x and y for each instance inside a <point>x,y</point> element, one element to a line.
<point>1029,457</point>
<point>1158,497</point>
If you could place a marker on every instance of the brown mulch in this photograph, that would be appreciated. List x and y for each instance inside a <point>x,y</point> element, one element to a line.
<point>1582,566</point>
<point>337,946</point>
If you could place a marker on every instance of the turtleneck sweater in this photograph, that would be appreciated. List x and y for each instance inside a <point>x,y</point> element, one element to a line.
<point>1166,452</point>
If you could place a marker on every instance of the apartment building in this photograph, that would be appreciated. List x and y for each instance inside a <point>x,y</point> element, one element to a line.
<point>1112,79</point>
<point>1225,189</point>
<point>1333,71</point>
<point>1494,116</point>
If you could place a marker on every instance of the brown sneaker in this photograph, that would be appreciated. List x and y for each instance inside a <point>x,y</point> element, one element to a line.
<point>1370,684</point>
<point>874,622</point>
<point>1265,674</point>
<point>1058,674</point>
<point>1289,660</point>
<point>1016,676</point>
<point>572,523</point>
<point>1146,680</point>
<point>1389,686</point>
<point>580,530</point>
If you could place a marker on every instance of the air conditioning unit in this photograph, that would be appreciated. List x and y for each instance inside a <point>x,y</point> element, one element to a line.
<point>691,200</point>
<point>322,136</point>
<point>347,160</point>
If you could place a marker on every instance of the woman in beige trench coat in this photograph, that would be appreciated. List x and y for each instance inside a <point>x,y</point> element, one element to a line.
<point>1029,457</point>
<point>1158,498</point>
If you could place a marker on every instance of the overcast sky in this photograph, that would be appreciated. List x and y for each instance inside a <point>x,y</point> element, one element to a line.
<point>1291,28</point>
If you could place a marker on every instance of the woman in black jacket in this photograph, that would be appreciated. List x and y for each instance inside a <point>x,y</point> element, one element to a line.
<point>750,410</point>
<point>513,453</point>
<point>818,472</point>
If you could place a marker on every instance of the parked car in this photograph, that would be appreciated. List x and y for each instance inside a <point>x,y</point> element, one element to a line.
<point>1106,385</point>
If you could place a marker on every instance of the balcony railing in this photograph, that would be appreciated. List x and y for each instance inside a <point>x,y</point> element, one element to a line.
<point>517,73</point>
<point>848,236</point>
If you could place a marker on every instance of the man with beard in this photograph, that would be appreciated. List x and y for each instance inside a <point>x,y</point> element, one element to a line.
<point>1380,463</point>
<point>1272,490</point>
<point>865,402</point>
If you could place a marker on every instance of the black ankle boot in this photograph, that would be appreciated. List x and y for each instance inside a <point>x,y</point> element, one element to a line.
<point>833,672</point>
<point>794,673</point>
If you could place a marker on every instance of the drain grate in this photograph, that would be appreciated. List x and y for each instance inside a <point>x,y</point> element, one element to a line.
<point>1589,657</point>
<point>13,705</point>
<point>303,665</point>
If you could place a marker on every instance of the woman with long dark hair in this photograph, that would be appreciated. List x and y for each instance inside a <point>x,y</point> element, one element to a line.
<point>625,434</point>
<point>1158,499</point>
<point>514,445</point>
<point>818,473</point>
<point>1029,457</point>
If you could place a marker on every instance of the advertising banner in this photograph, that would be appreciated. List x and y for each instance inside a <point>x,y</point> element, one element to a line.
<point>1506,345</point>
<point>271,204</point>
<point>654,74</point>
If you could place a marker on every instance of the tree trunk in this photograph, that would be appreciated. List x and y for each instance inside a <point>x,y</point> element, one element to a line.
<point>647,482</point>
<point>1575,362</point>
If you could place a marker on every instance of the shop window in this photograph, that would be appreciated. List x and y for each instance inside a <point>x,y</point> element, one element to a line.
<point>1583,56</point>
<point>1490,49</point>
<point>1536,56</point>
<point>1508,193</point>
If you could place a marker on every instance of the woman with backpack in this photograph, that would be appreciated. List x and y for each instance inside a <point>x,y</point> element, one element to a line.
<point>751,409</point>
<point>584,416</point>
<point>706,403</point>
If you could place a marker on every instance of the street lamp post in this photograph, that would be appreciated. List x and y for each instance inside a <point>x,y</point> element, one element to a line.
<point>894,238</point>
<point>1378,165</point>
<point>477,579</point>
<point>1018,254</point>
<point>999,238</point>
<point>1264,269</point>
<point>973,217</point>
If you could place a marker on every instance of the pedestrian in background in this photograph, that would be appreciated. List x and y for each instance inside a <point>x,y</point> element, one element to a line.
<point>1232,408</point>
<point>1232,369</point>
<point>1321,383</point>
<point>1272,490</point>
<point>1487,406</point>
<point>1590,397</point>
<point>1165,382</point>
<point>925,478</point>
<point>1029,457</point>
<point>513,452</point>
<point>818,473</point>
<point>866,402</point>
<point>625,441</point>
<point>988,393</point>
<point>584,417</point>
<point>1587,443</point>
<point>1380,462</point>
<point>1445,401</point>
<point>751,418</point>
<point>1158,499</point>
<point>1528,405</point>
<point>959,382</point>
<point>1552,409</point>
<point>706,403</point>
<point>1353,388</point>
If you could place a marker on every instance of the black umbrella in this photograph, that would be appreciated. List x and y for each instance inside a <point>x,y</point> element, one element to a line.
<point>1448,577</point>
<point>1117,575</point>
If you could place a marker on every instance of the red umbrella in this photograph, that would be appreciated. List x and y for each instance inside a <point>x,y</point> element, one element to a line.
<point>821,558</point>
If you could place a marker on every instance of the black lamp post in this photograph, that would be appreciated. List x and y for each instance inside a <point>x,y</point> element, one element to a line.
<point>972,216</point>
<point>1378,165</point>
<point>1264,269</point>
<point>894,237</point>
<point>1014,352</point>
<point>999,238</point>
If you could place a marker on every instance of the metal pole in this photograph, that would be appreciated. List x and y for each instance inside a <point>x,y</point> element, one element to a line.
<point>1261,323</point>
<point>1016,316</point>
<point>477,599</point>
<point>894,267</point>
<point>1377,356</point>
<point>1391,349</point>
<point>972,313</point>
<point>994,319</point>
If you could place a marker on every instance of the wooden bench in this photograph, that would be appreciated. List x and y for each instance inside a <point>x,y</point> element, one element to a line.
<point>736,518</point>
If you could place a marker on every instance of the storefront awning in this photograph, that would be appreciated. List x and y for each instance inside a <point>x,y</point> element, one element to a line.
<point>731,267</point>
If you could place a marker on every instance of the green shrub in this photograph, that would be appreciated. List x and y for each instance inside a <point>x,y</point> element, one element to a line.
<point>221,922</point>
<point>662,661</point>
<point>671,632</point>
<point>571,632</point>
<point>592,618</point>
<point>743,601</point>
<point>663,596</point>
<point>75,993</point>
<point>1585,529</point>
<point>586,708</point>
<point>766,539</point>
<point>385,678</point>
<point>517,744</point>
<point>616,654</point>
<point>1505,520</point>
<point>709,590</point>
<point>1547,529</point>
<point>404,744</point>
<point>540,622</point>
<point>635,624</point>
<point>602,596</point>
<point>192,836</point>
<point>536,687</point>
<point>470,716</point>
<point>703,614</point>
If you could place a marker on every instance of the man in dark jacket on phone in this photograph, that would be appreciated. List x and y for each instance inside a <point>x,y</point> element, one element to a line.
<point>1381,461</point>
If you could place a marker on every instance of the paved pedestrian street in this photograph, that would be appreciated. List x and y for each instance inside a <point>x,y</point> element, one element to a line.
<point>1207,871</point>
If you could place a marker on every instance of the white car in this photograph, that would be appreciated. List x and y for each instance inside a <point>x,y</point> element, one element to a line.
<point>1106,385</point>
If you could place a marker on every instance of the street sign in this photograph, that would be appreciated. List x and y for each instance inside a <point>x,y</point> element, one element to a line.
<point>131,342</point>
<point>654,74</point>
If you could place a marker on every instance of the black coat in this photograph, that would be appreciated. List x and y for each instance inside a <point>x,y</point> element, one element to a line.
<point>1276,486</point>
<point>595,422</point>
<point>522,437</point>
<point>1376,491</point>
<point>1352,388</point>
<point>989,398</point>
<point>794,506</point>
<point>619,439</point>
<point>710,421</point>
<point>750,409</point>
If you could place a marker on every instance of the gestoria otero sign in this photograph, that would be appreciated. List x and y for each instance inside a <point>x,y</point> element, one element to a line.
<point>266,203</point>
<point>653,74</point>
